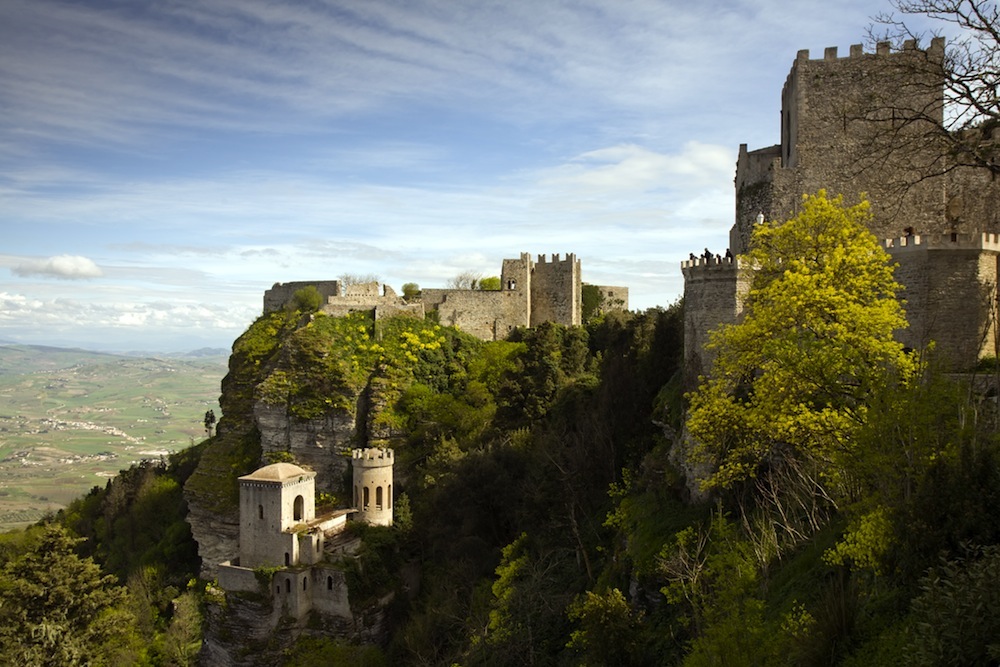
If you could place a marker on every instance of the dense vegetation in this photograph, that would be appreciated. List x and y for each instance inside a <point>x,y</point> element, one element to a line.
<point>850,521</point>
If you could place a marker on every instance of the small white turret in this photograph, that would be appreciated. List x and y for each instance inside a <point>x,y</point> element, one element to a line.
<point>373,485</point>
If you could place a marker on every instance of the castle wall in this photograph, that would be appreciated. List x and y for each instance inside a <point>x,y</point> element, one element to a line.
<point>281,294</point>
<point>556,291</point>
<point>530,293</point>
<point>485,314</point>
<point>754,192</point>
<point>950,283</point>
<point>848,126</point>
<point>714,294</point>
<point>613,297</point>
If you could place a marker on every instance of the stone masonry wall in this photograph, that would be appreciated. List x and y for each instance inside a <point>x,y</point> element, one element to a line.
<point>827,137</point>
<point>281,294</point>
<point>950,289</point>
<point>556,290</point>
<point>714,294</point>
<point>486,314</point>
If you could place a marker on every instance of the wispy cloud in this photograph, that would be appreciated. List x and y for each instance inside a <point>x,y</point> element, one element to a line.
<point>193,152</point>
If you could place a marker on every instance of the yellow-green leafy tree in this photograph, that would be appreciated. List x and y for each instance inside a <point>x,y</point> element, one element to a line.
<point>791,383</point>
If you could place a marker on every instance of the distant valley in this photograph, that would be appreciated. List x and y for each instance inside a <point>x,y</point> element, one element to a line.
<point>70,419</point>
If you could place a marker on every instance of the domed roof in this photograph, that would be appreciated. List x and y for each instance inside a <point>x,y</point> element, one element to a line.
<point>277,472</point>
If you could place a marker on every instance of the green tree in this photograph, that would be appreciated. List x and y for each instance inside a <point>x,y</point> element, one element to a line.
<point>489,284</point>
<point>608,630</point>
<point>57,608</point>
<point>308,299</point>
<point>792,381</point>
<point>955,619</point>
<point>591,302</point>
<point>209,422</point>
<point>411,291</point>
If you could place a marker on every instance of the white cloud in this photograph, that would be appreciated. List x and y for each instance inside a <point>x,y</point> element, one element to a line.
<point>629,168</point>
<point>65,267</point>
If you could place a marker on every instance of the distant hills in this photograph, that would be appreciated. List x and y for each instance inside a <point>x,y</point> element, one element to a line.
<point>17,358</point>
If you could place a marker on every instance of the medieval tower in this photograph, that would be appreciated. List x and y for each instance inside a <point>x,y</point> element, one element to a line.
<point>859,126</point>
<point>373,485</point>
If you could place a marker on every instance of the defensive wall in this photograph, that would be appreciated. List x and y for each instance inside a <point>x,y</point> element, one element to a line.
<point>950,293</point>
<point>843,129</point>
<point>340,299</point>
<point>531,292</point>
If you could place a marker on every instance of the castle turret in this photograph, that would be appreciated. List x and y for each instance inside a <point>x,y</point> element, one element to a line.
<point>373,485</point>
<point>715,289</point>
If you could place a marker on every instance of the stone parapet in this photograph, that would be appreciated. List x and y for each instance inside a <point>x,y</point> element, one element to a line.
<point>983,241</point>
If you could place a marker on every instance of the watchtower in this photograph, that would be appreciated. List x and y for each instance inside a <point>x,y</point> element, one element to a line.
<point>556,291</point>
<point>373,485</point>
<point>273,500</point>
<point>715,289</point>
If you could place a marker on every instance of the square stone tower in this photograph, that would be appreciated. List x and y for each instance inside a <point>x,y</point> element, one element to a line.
<point>852,125</point>
<point>273,501</point>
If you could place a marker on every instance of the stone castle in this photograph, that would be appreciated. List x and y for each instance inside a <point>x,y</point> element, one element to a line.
<point>289,555</point>
<point>531,292</point>
<point>844,129</point>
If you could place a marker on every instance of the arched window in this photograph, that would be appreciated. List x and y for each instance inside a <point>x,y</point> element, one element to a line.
<point>277,589</point>
<point>260,511</point>
<point>297,508</point>
<point>288,559</point>
<point>288,585</point>
<point>389,497</point>
<point>303,583</point>
<point>378,498</point>
<point>365,491</point>
<point>329,583</point>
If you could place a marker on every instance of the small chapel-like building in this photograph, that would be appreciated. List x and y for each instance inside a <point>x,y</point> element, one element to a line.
<point>279,530</point>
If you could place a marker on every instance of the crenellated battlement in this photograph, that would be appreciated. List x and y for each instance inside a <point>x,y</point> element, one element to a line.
<point>984,241</point>
<point>713,263</point>
<point>373,456</point>
<point>570,258</point>
<point>881,49</point>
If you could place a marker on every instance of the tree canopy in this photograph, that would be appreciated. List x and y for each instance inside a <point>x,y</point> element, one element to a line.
<point>794,377</point>
<point>59,609</point>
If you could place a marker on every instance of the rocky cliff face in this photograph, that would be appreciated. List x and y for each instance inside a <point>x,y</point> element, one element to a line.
<point>248,630</point>
<point>322,444</point>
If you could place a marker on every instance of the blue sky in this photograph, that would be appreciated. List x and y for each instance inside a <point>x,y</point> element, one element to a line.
<point>163,163</point>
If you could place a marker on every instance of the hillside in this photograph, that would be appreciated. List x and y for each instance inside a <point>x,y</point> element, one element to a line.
<point>542,515</point>
<point>70,419</point>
